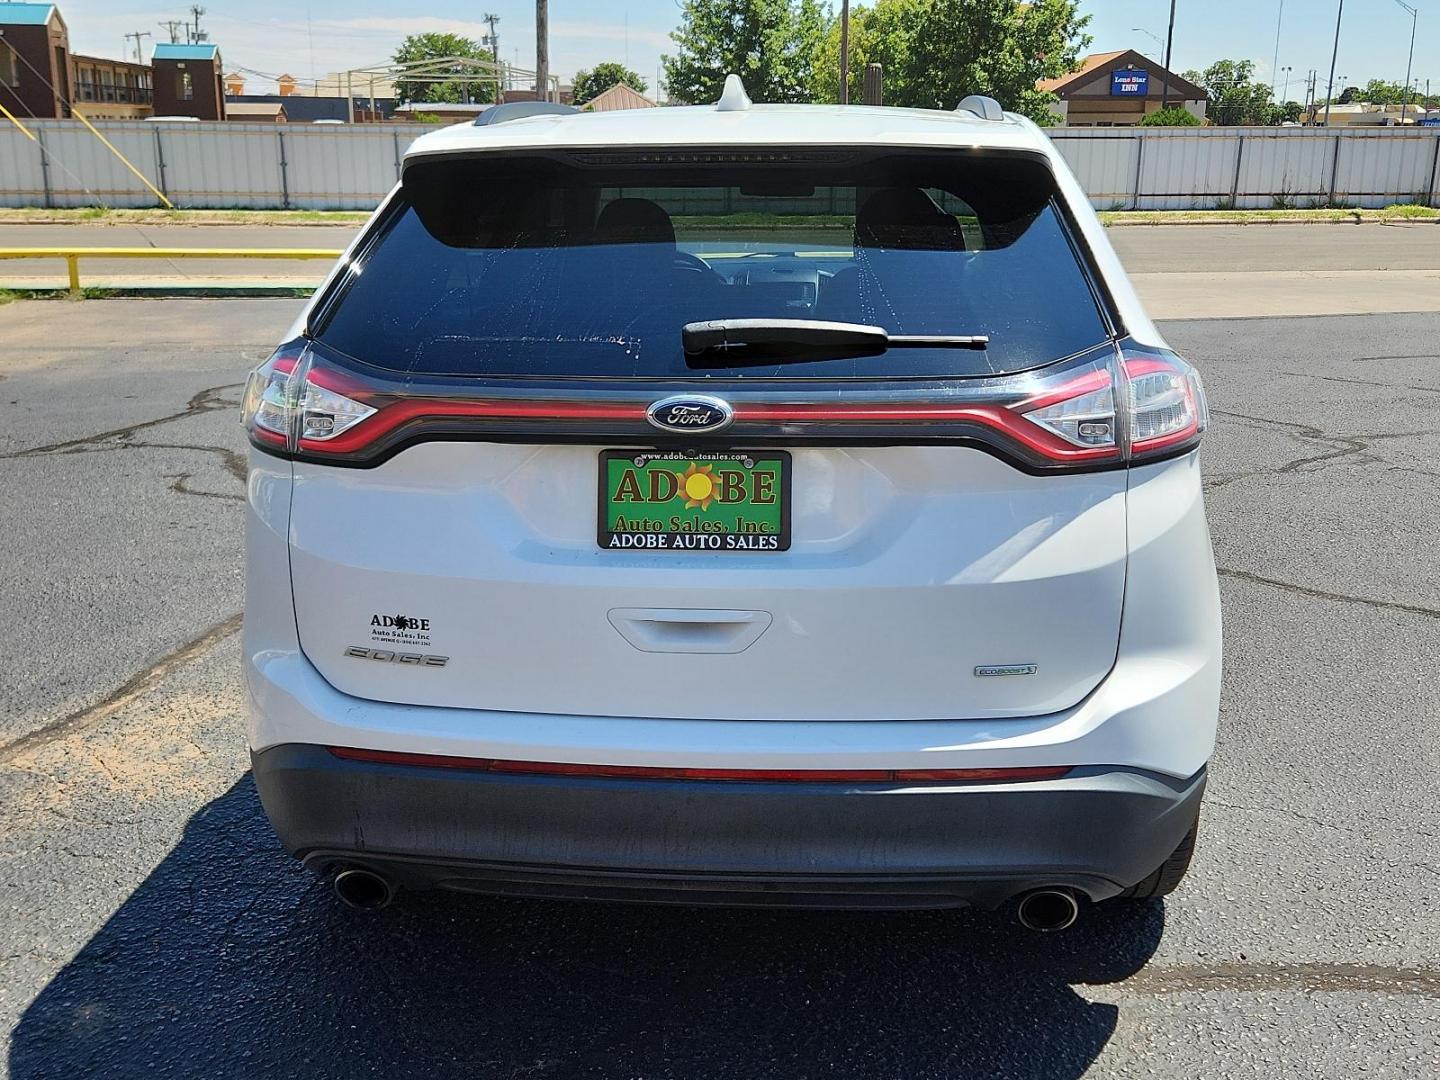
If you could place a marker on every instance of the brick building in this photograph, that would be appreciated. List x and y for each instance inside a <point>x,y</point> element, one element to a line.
<point>34,61</point>
<point>189,81</point>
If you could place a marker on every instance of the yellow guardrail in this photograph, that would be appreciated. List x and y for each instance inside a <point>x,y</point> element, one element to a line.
<point>73,255</point>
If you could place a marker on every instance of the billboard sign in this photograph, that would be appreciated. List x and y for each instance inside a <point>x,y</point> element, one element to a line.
<point>1131,82</point>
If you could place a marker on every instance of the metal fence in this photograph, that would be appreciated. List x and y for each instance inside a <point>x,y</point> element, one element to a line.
<point>269,166</point>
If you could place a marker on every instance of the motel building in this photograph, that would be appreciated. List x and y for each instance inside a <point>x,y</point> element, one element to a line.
<point>1118,89</point>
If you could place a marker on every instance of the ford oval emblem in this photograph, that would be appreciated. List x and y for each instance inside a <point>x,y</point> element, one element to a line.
<point>697,415</point>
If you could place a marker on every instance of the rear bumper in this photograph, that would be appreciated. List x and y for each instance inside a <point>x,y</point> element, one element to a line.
<point>1099,830</point>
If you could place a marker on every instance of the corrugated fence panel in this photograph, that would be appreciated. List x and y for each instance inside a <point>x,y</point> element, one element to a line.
<point>1377,170</point>
<point>22,174</point>
<point>1186,171</point>
<point>330,166</point>
<point>352,167</point>
<point>239,169</point>
<point>1105,166</point>
<point>1280,171</point>
<point>84,173</point>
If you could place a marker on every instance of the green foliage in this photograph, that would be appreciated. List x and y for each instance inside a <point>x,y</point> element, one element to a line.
<point>1174,116</point>
<point>1235,96</point>
<point>467,86</point>
<point>770,44</point>
<point>591,84</point>
<point>935,52</point>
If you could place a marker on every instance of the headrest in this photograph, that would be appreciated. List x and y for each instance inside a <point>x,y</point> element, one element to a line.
<point>634,221</point>
<point>906,218</point>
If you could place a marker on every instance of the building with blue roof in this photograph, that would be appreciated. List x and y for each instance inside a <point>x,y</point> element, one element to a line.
<point>34,61</point>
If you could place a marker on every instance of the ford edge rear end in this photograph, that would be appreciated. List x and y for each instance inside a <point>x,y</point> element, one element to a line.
<point>774,505</point>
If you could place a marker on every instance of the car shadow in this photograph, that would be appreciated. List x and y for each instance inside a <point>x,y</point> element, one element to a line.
<point>231,961</point>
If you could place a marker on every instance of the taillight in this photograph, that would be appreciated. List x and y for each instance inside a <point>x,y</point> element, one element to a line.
<point>1163,409</point>
<point>1094,412</point>
<point>1167,410</point>
<point>287,404</point>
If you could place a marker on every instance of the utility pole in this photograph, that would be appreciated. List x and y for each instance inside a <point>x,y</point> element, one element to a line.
<point>173,27</point>
<point>196,36</point>
<point>1334,56</point>
<point>542,50</point>
<point>1275,63</point>
<point>1409,64</point>
<point>1169,45</point>
<point>137,35</point>
<point>493,40</point>
<point>845,52</point>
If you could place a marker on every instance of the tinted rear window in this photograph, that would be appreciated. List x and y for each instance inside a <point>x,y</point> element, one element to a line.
<point>586,266</point>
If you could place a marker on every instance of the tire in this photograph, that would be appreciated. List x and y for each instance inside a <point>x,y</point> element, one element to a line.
<point>1168,875</point>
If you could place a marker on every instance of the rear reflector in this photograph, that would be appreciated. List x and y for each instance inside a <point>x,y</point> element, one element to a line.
<point>660,772</point>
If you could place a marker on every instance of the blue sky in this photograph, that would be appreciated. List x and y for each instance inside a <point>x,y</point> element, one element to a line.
<point>315,36</point>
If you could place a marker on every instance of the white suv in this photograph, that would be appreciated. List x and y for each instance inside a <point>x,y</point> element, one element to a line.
<point>752,505</point>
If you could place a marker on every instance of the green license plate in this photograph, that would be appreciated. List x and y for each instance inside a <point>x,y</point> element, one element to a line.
<point>731,501</point>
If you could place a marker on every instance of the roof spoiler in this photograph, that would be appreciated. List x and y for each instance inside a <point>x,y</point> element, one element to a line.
<point>981,107</point>
<point>518,110</point>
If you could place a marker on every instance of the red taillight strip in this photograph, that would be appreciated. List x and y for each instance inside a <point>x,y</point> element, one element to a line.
<point>660,772</point>
<point>996,417</point>
<point>398,413</point>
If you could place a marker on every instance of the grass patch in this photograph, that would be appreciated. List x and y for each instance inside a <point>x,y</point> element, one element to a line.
<point>1320,216</point>
<point>99,215</point>
<point>8,296</point>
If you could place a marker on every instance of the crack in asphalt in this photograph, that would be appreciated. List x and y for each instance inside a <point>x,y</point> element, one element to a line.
<point>1323,594</point>
<point>1341,447</point>
<point>179,483</point>
<point>131,689</point>
<point>203,401</point>
<point>1362,382</point>
<point>1248,977</point>
<point>208,400</point>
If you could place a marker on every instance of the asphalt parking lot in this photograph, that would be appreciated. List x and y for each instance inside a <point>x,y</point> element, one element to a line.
<point>150,925</point>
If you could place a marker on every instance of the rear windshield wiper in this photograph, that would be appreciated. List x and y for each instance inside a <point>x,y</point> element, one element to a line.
<point>736,342</point>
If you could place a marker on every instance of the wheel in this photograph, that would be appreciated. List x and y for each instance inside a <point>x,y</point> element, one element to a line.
<point>1168,875</point>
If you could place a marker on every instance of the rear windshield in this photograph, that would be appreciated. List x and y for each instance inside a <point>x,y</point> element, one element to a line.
<point>590,265</point>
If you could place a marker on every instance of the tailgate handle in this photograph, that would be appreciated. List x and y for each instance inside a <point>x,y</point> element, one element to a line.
<point>689,630</point>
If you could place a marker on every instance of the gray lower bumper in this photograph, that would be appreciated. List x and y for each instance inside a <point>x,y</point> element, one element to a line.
<point>1099,830</point>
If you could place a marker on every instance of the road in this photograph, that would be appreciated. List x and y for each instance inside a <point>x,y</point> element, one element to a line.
<point>1181,271</point>
<point>150,926</point>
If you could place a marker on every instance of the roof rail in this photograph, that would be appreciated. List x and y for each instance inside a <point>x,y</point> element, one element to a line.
<point>518,110</point>
<point>985,108</point>
<point>733,98</point>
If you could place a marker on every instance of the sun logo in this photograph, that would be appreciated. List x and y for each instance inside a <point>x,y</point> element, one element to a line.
<point>698,486</point>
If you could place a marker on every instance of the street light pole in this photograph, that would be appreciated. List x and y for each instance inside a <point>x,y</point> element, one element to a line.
<point>1334,56</point>
<point>1410,63</point>
<point>845,52</point>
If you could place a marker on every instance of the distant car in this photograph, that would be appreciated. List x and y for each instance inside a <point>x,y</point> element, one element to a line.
<point>753,505</point>
<point>327,121</point>
<point>173,119</point>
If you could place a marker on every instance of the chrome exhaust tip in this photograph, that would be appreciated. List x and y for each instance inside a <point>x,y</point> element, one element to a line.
<point>363,889</point>
<point>1048,910</point>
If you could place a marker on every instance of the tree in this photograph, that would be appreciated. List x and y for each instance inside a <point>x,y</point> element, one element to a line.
<point>936,52</point>
<point>591,84</point>
<point>1235,97</point>
<point>1173,116</point>
<point>471,86</point>
<point>770,44</point>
